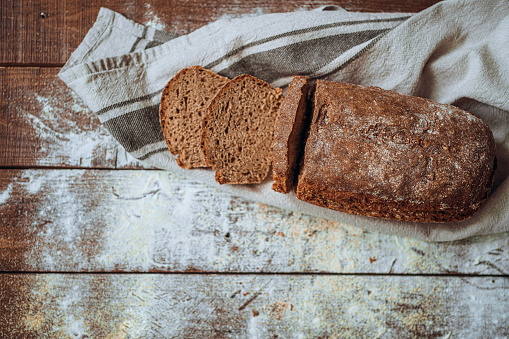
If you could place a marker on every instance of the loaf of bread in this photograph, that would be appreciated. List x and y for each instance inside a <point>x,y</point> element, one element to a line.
<point>379,153</point>
<point>238,130</point>
<point>184,103</point>
<point>288,132</point>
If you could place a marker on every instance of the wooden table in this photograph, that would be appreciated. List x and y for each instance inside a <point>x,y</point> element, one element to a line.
<point>95,245</point>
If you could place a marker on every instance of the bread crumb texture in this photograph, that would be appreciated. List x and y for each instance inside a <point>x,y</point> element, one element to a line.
<point>184,103</point>
<point>238,130</point>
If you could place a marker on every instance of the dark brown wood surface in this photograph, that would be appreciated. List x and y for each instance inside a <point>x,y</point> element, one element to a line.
<point>46,32</point>
<point>95,245</point>
<point>44,124</point>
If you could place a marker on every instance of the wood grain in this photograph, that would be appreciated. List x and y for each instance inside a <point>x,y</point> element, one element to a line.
<point>43,123</point>
<point>249,306</point>
<point>253,270</point>
<point>47,32</point>
<point>146,221</point>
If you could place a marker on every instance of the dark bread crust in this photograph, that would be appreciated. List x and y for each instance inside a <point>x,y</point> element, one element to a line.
<point>288,135</point>
<point>383,154</point>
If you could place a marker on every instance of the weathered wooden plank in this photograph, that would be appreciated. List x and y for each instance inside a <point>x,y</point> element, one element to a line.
<point>141,221</point>
<point>47,32</point>
<point>249,306</point>
<point>43,123</point>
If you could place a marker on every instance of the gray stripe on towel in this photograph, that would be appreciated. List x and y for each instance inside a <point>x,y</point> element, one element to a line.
<point>145,29</point>
<point>165,36</point>
<point>300,31</point>
<point>305,57</point>
<point>127,102</point>
<point>368,46</point>
<point>160,37</point>
<point>137,128</point>
<point>268,65</point>
<point>236,69</point>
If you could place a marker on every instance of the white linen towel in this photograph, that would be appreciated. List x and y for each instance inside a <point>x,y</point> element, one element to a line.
<point>455,52</point>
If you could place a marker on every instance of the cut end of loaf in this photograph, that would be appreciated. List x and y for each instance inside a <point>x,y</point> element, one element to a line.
<point>288,132</point>
<point>184,103</point>
<point>238,130</point>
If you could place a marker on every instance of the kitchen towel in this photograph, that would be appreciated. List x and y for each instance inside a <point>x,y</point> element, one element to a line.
<point>454,52</point>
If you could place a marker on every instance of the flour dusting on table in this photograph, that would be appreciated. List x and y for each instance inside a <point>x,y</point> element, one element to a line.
<point>6,194</point>
<point>152,20</point>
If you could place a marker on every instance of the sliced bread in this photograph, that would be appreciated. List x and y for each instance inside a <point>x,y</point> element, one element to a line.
<point>184,103</point>
<point>288,135</point>
<point>238,130</point>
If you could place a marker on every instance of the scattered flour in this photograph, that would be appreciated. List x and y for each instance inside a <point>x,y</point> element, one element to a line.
<point>156,220</point>
<point>149,220</point>
<point>258,11</point>
<point>67,305</point>
<point>58,223</point>
<point>152,20</point>
<point>81,142</point>
<point>66,132</point>
<point>6,194</point>
<point>142,305</point>
<point>78,106</point>
<point>155,225</point>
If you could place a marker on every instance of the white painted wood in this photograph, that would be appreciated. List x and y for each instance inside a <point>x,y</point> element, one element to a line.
<point>253,306</point>
<point>135,220</point>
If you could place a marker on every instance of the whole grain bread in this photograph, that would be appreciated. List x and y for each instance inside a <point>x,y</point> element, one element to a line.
<point>238,130</point>
<point>379,153</point>
<point>288,133</point>
<point>184,103</point>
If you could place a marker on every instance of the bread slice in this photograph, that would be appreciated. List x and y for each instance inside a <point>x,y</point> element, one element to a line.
<point>184,103</point>
<point>383,154</point>
<point>238,130</point>
<point>288,134</point>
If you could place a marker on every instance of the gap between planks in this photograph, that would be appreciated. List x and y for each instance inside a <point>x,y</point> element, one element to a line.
<point>363,274</point>
<point>25,65</point>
